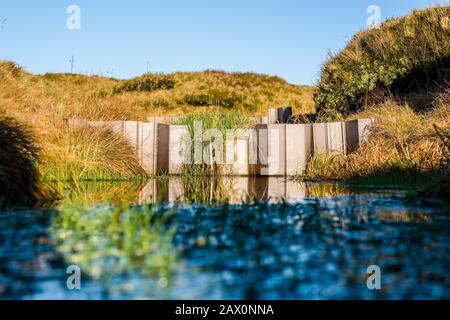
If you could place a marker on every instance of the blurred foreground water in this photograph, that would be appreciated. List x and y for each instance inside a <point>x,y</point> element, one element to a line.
<point>240,238</point>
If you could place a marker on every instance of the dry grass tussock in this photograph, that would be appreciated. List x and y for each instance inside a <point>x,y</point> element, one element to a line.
<point>85,153</point>
<point>20,182</point>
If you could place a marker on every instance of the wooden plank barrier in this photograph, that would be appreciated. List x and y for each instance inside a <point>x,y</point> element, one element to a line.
<point>266,149</point>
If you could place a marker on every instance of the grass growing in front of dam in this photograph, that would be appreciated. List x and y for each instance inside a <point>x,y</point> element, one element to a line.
<point>220,121</point>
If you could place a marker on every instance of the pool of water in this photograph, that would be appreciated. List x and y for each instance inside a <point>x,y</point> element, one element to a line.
<point>226,239</point>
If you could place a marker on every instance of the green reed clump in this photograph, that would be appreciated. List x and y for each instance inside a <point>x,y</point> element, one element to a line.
<point>221,121</point>
<point>215,120</point>
<point>197,189</point>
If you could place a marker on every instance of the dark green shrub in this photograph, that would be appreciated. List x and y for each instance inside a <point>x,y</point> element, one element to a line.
<point>214,97</point>
<point>145,83</point>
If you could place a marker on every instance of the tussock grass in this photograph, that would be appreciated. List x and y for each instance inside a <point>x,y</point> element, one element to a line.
<point>403,56</point>
<point>84,153</point>
<point>439,188</point>
<point>20,183</point>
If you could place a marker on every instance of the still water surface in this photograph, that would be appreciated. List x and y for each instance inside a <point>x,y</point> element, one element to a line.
<point>234,238</point>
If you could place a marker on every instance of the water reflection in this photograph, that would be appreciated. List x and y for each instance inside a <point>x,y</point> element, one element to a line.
<point>233,190</point>
<point>151,241</point>
<point>206,190</point>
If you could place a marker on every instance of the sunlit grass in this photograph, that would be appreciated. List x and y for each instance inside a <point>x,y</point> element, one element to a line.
<point>89,154</point>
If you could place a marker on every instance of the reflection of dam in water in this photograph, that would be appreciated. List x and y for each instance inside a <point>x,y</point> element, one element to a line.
<point>235,190</point>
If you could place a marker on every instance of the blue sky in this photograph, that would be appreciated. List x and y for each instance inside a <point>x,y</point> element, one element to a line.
<point>288,38</point>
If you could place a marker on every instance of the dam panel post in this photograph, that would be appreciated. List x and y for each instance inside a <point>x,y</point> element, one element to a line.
<point>336,138</point>
<point>272,116</point>
<point>352,135</point>
<point>162,148</point>
<point>237,153</point>
<point>320,136</point>
<point>356,131</point>
<point>180,146</point>
<point>131,133</point>
<point>240,164</point>
<point>257,148</point>
<point>284,114</point>
<point>276,151</point>
<point>147,147</point>
<point>299,147</point>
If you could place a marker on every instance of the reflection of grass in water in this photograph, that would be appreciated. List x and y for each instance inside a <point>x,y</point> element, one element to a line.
<point>109,242</point>
<point>319,190</point>
<point>249,242</point>
<point>198,189</point>
<point>99,192</point>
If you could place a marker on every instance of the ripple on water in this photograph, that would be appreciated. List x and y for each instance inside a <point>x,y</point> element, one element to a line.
<point>311,248</point>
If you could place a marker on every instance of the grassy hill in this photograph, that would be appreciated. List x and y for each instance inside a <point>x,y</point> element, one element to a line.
<point>94,97</point>
<point>403,58</point>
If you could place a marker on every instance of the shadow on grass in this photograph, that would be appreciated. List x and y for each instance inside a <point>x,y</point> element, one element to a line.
<point>19,179</point>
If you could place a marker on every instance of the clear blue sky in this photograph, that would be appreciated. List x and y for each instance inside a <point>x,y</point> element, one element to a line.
<point>288,38</point>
